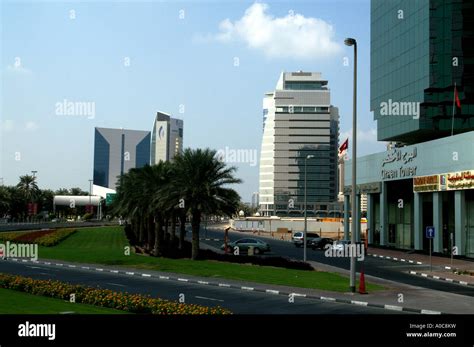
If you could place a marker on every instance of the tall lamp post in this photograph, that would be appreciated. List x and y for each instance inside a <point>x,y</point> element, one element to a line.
<point>305,204</point>
<point>353,42</point>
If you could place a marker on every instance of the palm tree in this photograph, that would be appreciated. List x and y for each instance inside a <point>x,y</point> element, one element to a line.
<point>5,201</point>
<point>200,184</point>
<point>28,187</point>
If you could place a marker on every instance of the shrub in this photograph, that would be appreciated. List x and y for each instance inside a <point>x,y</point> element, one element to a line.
<point>134,303</point>
<point>87,216</point>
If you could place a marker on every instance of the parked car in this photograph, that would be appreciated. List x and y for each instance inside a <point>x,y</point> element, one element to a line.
<point>340,244</point>
<point>297,238</point>
<point>319,243</point>
<point>259,246</point>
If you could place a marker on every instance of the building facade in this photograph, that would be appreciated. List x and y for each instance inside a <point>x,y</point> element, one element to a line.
<point>116,151</point>
<point>299,121</point>
<point>419,51</point>
<point>166,138</point>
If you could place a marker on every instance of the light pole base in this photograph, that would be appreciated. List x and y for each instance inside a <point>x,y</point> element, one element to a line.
<point>353,289</point>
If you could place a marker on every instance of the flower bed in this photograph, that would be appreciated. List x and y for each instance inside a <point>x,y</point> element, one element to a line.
<point>134,303</point>
<point>9,236</point>
<point>32,236</point>
<point>54,238</point>
<point>47,238</point>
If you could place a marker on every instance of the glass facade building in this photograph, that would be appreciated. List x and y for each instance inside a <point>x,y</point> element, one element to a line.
<point>166,138</point>
<point>116,151</point>
<point>299,120</point>
<point>419,50</point>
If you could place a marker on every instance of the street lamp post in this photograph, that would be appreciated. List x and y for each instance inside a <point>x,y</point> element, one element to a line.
<point>353,42</point>
<point>305,205</point>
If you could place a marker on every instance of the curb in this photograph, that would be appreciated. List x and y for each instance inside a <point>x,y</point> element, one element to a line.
<point>450,280</point>
<point>243,288</point>
<point>403,260</point>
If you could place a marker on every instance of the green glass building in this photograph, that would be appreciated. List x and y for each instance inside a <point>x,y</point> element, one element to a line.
<point>419,50</point>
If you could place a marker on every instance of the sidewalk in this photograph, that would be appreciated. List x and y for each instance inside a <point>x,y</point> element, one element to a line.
<point>442,267</point>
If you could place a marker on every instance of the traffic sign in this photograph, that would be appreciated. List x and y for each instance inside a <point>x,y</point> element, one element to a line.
<point>430,232</point>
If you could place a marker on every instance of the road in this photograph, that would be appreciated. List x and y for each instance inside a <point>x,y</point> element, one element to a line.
<point>377,267</point>
<point>239,301</point>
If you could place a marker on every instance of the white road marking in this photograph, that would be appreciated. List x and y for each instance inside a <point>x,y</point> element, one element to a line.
<point>203,282</point>
<point>224,285</point>
<point>130,273</point>
<point>85,267</point>
<point>325,298</point>
<point>430,312</point>
<point>164,277</point>
<point>183,279</point>
<point>35,267</point>
<point>393,307</point>
<point>360,303</point>
<point>146,275</point>
<point>449,279</point>
<point>246,288</point>
<point>462,282</point>
<point>100,269</point>
<point>114,271</point>
<point>72,265</point>
<point>205,298</point>
<point>116,284</point>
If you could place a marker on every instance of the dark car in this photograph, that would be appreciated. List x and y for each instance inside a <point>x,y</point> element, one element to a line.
<point>320,243</point>
<point>297,238</point>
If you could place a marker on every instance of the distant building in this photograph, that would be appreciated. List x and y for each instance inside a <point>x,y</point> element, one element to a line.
<point>166,138</point>
<point>255,199</point>
<point>299,121</point>
<point>116,151</point>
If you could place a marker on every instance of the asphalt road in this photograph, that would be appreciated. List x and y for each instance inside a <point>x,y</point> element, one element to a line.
<point>377,267</point>
<point>239,301</point>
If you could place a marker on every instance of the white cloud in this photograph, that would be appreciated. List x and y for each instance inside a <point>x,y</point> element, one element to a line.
<point>31,126</point>
<point>291,36</point>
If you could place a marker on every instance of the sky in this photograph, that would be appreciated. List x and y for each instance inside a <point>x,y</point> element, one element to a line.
<point>206,62</point>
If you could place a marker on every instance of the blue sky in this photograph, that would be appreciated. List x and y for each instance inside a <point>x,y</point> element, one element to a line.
<point>78,51</point>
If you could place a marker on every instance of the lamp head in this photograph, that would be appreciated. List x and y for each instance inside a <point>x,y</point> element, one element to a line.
<point>349,41</point>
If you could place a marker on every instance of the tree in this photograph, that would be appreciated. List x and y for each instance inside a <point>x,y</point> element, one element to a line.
<point>201,182</point>
<point>28,188</point>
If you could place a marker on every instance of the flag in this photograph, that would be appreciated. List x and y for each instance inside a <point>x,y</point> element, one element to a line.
<point>344,146</point>
<point>456,97</point>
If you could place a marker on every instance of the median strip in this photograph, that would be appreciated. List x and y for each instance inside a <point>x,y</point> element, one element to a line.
<point>276,292</point>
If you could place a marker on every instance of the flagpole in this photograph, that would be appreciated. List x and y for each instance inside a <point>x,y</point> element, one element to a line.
<point>454,100</point>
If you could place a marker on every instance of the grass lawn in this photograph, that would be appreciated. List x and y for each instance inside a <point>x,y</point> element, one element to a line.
<point>15,302</point>
<point>105,245</point>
